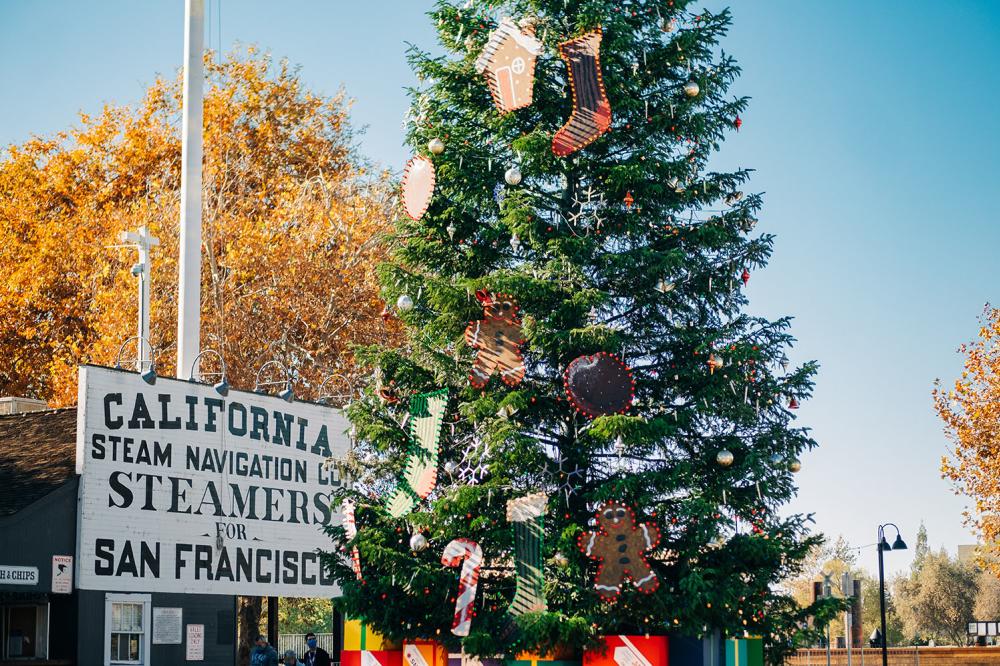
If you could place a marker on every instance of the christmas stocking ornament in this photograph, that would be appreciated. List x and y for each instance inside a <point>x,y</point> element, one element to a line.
<point>528,515</point>
<point>591,115</point>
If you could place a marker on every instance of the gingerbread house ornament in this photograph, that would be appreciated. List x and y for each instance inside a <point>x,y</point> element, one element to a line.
<point>508,62</point>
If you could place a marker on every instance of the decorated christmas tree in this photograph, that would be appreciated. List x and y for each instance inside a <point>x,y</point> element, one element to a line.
<point>584,433</point>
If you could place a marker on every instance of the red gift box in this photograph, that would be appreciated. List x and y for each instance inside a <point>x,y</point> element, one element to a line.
<point>629,651</point>
<point>371,658</point>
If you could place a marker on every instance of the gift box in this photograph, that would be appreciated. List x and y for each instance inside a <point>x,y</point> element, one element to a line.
<point>557,658</point>
<point>371,658</point>
<point>357,636</point>
<point>462,659</point>
<point>745,651</point>
<point>629,651</point>
<point>424,653</point>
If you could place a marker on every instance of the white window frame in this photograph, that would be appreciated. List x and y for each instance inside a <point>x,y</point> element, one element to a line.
<point>147,602</point>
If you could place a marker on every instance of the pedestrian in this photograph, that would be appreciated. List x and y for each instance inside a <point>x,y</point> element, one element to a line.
<point>263,654</point>
<point>290,659</point>
<point>315,656</point>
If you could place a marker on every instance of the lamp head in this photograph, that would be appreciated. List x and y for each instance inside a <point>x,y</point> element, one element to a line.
<point>287,394</point>
<point>222,387</point>
<point>898,544</point>
<point>149,376</point>
<point>884,545</point>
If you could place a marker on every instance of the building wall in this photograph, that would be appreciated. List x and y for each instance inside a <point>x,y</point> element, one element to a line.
<point>216,612</point>
<point>30,538</point>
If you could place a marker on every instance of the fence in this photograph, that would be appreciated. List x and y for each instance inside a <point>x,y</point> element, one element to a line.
<point>911,656</point>
<point>297,642</point>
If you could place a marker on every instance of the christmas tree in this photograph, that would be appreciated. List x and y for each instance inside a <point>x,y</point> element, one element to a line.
<point>583,420</point>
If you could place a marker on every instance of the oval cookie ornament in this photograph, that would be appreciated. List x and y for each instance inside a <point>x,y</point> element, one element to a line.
<point>599,385</point>
<point>418,186</point>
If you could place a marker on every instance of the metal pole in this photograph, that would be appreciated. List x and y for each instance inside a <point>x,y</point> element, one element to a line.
<point>189,273</point>
<point>144,242</point>
<point>847,588</point>
<point>881,596</point>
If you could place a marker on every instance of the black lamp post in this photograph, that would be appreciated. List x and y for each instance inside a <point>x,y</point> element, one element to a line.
<point>883,545</point>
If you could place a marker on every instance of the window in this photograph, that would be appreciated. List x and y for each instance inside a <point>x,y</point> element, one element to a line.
<point>126,629</point>
<point>24,629</point>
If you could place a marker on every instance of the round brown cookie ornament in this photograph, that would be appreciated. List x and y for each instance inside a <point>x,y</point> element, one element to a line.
<point>497,339</point>
<point>599,384</point>
<point>620,546</point>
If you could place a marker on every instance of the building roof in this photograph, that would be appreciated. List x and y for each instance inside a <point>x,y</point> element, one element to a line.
<point>37,455</point>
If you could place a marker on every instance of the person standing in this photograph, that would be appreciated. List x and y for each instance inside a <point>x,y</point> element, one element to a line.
<point>290,659</point>
<point>315,656</point>
<point>262,653</point>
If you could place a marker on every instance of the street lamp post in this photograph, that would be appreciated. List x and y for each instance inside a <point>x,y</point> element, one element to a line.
<point>883,545</point>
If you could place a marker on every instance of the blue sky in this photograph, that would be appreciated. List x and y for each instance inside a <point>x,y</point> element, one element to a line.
<point>873,131</point>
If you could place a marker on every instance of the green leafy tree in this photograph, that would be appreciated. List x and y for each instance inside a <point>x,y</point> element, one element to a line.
<point>630,246</point>
<point>921,549</point>
<point>937,601</point>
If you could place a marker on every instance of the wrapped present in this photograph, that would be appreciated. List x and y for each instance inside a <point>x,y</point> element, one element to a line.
<point>629,651</point>
<point>745,651</point>
<point>556,658</point>
<point>462,659</point>
<point>371,658</point>
<point>424,653</point>
<point>357,636</point>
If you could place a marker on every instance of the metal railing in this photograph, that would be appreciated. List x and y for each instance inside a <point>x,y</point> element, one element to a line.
<point>297,642</point>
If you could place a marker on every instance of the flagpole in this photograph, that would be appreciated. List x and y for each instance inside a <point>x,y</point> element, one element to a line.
<point>189,270</point>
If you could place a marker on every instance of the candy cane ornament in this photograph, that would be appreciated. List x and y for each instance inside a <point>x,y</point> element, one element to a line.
<point>470,556</point>
<point>351,531</point>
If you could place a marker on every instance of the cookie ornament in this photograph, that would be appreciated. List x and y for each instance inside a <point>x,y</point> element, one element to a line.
<point>508,63</point>
<point>418,186</point>
<point>620,546</point>
<point>497,339</point>
<point>599,384</point>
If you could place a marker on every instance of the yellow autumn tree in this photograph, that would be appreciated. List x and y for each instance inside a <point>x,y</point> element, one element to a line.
<point>970,409</point>
<point>292,223</point>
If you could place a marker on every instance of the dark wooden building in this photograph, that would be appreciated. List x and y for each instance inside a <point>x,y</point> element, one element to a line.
<point>38,522</point>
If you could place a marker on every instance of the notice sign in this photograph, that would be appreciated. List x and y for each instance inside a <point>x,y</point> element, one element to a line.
<point>62,574</point>
<point>167,625</point>
<point>12,575</point>
<point>185,490</point>
<point>195,650</point>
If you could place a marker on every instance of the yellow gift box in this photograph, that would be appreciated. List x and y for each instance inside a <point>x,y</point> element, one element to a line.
<point>357,636</point>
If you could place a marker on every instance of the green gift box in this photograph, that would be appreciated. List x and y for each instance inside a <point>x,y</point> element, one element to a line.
<point>744,652</point>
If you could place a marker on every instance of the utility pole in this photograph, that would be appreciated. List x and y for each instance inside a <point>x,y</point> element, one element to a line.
<point>143,241</point>
<point>847,587</point>
<point>189,273</point>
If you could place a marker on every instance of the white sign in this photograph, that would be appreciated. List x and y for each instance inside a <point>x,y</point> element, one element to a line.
<point>13,575</point>
<point>167,625</point>
<point>195,643</point>
<point>185,490</point>
<point>62,574</point>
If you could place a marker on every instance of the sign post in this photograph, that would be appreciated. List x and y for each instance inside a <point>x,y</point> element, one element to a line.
<point>189,270</point>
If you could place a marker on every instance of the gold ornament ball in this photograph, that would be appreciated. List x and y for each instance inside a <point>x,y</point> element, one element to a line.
<point>418,542</point>
<point>560,560</point>
<point>436,145</point>
<point>513,176</point>
<point>691,89</point>
<point>725,457</point>
<point>794,467</point>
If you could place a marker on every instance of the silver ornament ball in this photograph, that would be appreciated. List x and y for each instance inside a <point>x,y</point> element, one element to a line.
<point>725,457</point>
<point>418,542</point>
<point>776,459</point>
<point>513,176</point>
<point>691,89</point>
<point>436,146</point>
<point>404,303</point>
<point>449,467</point>
<point>794,466</point>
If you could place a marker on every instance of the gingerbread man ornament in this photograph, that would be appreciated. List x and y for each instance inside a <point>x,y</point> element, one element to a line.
<point>497,340</point>
<point>620,546</point>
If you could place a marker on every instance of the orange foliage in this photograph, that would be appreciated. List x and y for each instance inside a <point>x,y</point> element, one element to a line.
<point>971,414</point>
<point>291,234</point>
